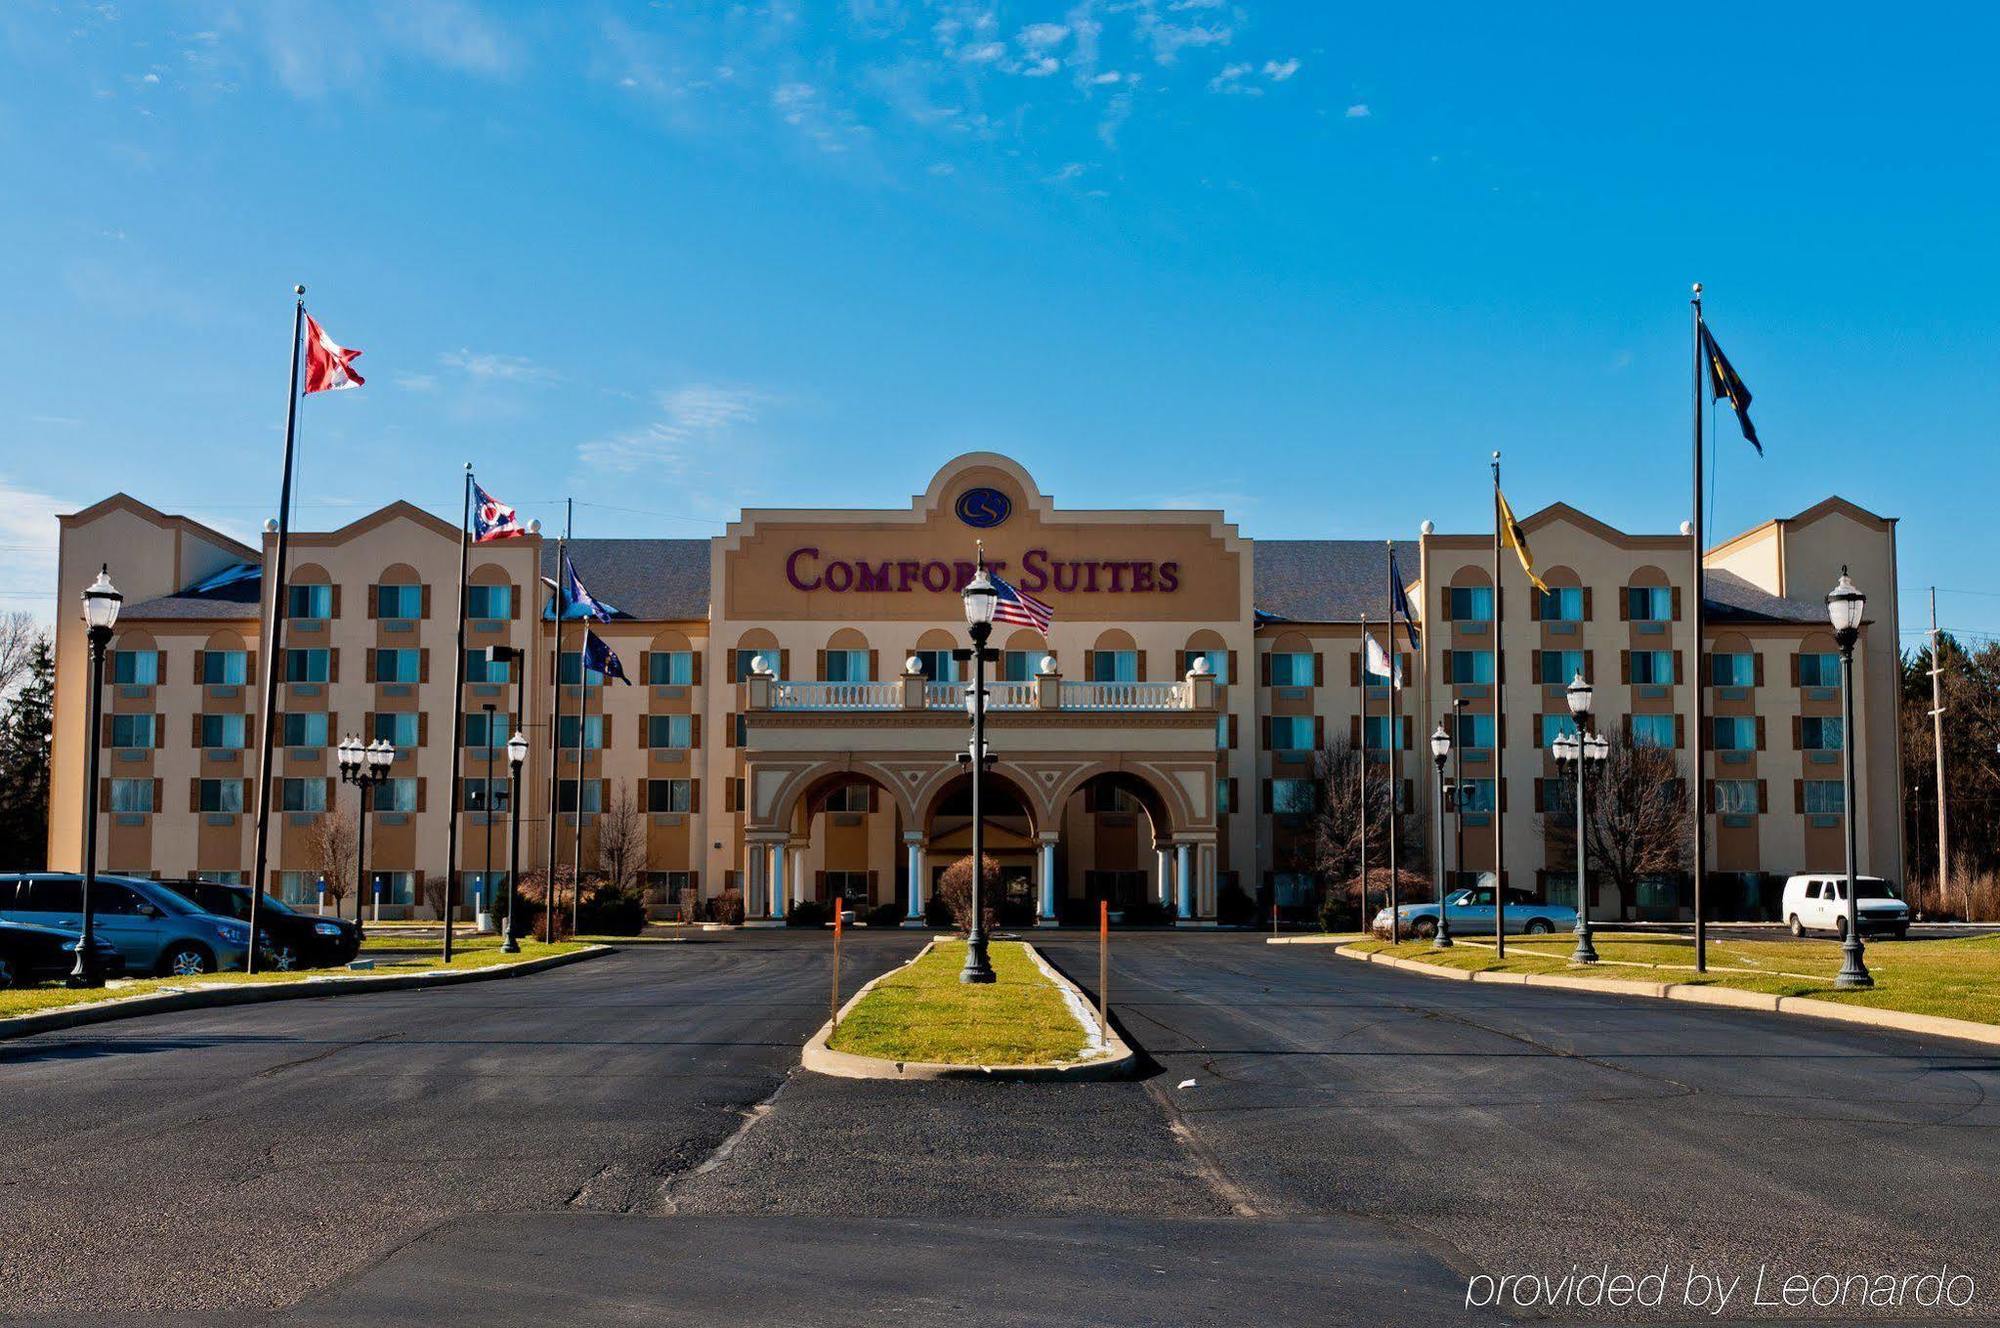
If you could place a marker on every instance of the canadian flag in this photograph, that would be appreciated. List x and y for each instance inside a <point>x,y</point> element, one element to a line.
<point>329,366</point>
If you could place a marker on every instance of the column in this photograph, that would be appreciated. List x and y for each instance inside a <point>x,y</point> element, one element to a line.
<point>1046,874</point>
<point>797,857</point>
<point>913,849</point>
<point>777,879</point>
<point>753,897</point>
<point>1164,853</point>
<point>1184,878</point>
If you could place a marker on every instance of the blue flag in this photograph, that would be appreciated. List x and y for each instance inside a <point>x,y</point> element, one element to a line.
<point>577,602</point>
<point>1399,601</point>
<point>598,658</point>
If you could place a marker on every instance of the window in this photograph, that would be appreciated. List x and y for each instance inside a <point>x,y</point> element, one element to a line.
<point>394,795</point>
<point>1291,796</point>
<point>220,877</point>
<point>224,667</point>
<point>132,730</point>
<point>1292,669</point>
<point>303,795</point>
<point>489,667</point>
<point>669,795</point>
<point>1653,667</point>
<point>398,730</point>
<point>304,728</point>
<point>937,665</point>
<point>847,666</point>
<point>398,665</point>
<point>572,668</point>
<point>1375,733</point>
<point>848,798</point>
<point>669,731</point>
<point>849,887</point>
<point>593,796</point>
<point>1732,670</point>
<point>1291,889</point>
<point>745,658</point>
<point>1463,666</point>
<point>135,668</point>
<point>1222,732</point>
<point>402,602</point>
<point>1736,797</point>
<point>1471,604</point>
<point>593,732</point>
<point>1563,604</point>
<point>1652,730</point>
<point>1733,733</point>
<point>131,795</point>
<point>298,887</point>
<point>1819,670</point>
<point>1475,732</point>
<point>1649,603</point>
<point>1550,727</point>
<point>395,887</point>
<point>1475,795</point>
<point>1222,796</point>
<point>309,602</point>
<point>1559,666</point>
<point>219,795</point>
<point>222,731</point>
<point>486,730</point>
<point>1114,666</point>
<point>489,602</point>
<point>1817,734</point>
<point>1823,797</point>
<point>1018,665</point>
<point>670,668</point>
<point>1291,733</point>
<point>305,665</point>
<point>479,796</point>
<point>1218,663</point>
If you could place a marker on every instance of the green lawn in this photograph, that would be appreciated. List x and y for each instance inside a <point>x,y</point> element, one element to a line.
<point>1959,979</point>
<point>391,956</point>
<point>923,1013</point>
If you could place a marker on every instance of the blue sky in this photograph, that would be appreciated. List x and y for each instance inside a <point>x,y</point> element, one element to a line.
<point>1307,263</point>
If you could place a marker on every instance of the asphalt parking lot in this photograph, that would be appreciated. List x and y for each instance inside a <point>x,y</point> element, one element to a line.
<point>1317,1141</point>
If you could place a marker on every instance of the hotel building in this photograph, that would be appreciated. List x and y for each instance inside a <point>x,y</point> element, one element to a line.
<point>796,719</point>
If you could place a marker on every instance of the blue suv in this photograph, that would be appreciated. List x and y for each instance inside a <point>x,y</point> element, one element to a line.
<point>155,930</point>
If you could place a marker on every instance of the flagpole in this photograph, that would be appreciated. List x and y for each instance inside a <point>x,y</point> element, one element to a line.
<point>1700,674</point>
<point>274,640</point>
<point>457,711</point>
<point>1499,745</point>
<point>1364,769</point>
<point>555,731</point>
<point>1395,739</point>
<point>576,837</point>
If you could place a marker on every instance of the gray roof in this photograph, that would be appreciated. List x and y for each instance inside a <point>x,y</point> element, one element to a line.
<point>652,579</point>
<point>190,606</point>
<point>1732,599</point>
<point>1327,580</point>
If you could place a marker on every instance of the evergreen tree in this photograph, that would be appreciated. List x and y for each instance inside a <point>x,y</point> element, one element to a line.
<point>24,765</point>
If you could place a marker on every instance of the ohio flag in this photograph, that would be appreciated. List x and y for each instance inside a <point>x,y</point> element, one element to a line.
<point>491,518</point>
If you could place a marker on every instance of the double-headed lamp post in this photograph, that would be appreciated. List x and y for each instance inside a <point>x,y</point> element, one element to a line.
<point>100,615</point>
<point>1440,753</point>
<point>364,765</point>
<point>1844,604</point>
<point>517,754</point>
<point>1583,747</point>
<point>980,601</point>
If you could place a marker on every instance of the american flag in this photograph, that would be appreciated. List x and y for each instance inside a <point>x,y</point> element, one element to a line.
<point>1020,608</point>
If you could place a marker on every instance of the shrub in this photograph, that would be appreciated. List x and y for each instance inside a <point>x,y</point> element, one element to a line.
<point>1234,907</point>
<point>727,908</point>
<point>808,913</point>
<point>937,913</point>
<point>955,888</point>
<point>613,913</point>
<point>690,905</point>
<point>884,915</point>
<point>1148,912</point>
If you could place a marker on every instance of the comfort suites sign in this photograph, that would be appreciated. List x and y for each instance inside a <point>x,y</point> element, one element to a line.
<point>861,566</point>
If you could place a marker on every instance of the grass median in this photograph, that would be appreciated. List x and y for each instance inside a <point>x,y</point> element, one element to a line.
<point>391,955</point>
<point>922,1012</point>
<point>1956,979</point>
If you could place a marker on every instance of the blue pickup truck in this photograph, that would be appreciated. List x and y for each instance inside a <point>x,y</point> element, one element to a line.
<point>1472,912</point>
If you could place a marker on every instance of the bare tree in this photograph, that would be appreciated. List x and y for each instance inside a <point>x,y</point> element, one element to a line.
<point>1637,814</point>
<point>330,845</point>
<point>435,889</point>
<point>1330,845</point>
<point>621,842</point>
<point>955,888</point>
<point>19,635</point>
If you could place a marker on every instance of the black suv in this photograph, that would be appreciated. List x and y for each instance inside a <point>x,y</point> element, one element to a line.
<point>286,938</point>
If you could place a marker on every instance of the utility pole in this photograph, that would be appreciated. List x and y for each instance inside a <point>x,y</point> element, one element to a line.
<point>1937,741</point>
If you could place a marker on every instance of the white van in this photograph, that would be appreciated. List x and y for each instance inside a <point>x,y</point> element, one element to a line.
<point>1819,903</point>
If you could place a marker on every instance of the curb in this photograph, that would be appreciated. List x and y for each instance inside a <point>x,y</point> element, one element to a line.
<point>1901,1021</point>
<point>816,1056</point>
<point>132,1007</point>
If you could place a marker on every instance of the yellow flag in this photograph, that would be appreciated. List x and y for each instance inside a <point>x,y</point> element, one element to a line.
<point>1511,537</point>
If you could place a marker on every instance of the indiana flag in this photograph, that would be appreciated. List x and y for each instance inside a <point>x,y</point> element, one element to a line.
<point>599,658</point>
<point>329,365</point>
<point>491,518</point>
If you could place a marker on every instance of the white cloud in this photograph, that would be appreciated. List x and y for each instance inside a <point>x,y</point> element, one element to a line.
<point>311,57</point>
<point>1070,171</point>
<point>1042,67</point>
<point>1230,80</point>
<point>1359,111</point>
<point>1107,77</point>
<point>495,367</point>
<point>1168,40</point>
<point>692,419</point>
<point>415,382</point>
<point>1278,71</point>
<point>1038,36</point>
<point>983,53</point>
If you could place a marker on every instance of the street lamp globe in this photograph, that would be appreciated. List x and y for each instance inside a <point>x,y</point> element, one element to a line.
<point>517,749</point>
<point>350,755</point>
<point>100,602</point>
<point>1844,604</point>
<point>1440,744</point>
<point>1566,747</point>
<point>1597,747</point>
<point>381,755</point>
<point>1580,694</point>
<point>980,599</point>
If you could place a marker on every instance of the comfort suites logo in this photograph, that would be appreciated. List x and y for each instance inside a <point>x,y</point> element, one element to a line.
<point>807,569</point>
<point>983,509</point>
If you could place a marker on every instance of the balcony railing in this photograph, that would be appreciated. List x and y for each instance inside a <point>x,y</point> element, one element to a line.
<point>836,696</point>
<point>1126,696</point>
<point>1048,694</point>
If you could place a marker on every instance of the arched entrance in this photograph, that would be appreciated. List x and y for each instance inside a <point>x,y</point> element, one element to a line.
<point>1116,845</point>
<point>1010,833</point>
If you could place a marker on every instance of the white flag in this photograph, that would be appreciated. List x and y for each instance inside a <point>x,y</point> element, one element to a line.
<point>1378,658</point>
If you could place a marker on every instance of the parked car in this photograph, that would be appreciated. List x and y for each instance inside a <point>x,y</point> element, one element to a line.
<point>286,938</point>
<point>1818,902</point>
<point>1472,911</point>
<point>155,929</point>
<point>30,953</point>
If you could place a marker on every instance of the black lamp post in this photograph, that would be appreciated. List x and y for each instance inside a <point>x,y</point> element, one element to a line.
<point>1440,753</point>
<point>363,765</point>
<point>1458,709</point>
<point>980,601</point>
<point>100,615</point>
<point>1844,604</point>
<point>517,754</point>
<point>1582,747</point>
<point>484,913</point>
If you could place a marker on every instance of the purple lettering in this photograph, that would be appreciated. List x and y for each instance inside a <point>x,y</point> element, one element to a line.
<point>963,572</point>
<point>1142,577</point>
<point>1035,570</point>
<point>906,573</point>
<point>871,580</point>
<point>1170,576</point>
<point>937,577</point>
<point>792,569</point>
<point>839,576</point>
<point>1090,576</point>
<point>1118,571</point>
